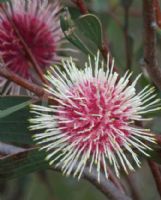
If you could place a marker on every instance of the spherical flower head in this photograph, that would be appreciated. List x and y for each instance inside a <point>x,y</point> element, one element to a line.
<point>93,121</point>
<point>38,24</point>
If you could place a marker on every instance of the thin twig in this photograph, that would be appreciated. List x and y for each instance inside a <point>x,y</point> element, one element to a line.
<point>150,43</point>
<point>133,187</point>
<point>37,90</point>
<point>156,6</point>
<point>115,180</point>
<point>104,49</point>
<point>156,174</point>
<point>22,82</point>
<point>158,139</point>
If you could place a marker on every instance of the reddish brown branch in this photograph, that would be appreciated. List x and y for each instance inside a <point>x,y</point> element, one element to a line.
<point>133,187</point>
<point>115,180</point>
<point>158,139</point>
<point>150,43</point>
<point>156,6</point>
<point>81,5</point>
<point>26,48</point>
<point>37,90</point>
<point>156,174</point>
<point>154,71</point>
<point>21,81</point>
<point>105,51</point>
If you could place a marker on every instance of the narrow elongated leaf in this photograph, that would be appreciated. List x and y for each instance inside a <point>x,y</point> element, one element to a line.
<point>11,110</point>
<point>14,127</point>
<point>22,163</point>
<point>9,101</point>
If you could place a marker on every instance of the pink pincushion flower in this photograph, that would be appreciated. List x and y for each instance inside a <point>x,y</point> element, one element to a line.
<point>38,24</point>
<point>94,119</point>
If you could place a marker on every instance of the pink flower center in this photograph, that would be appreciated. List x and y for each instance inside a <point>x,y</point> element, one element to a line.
<point>92,116</point>
<point>36,34</point>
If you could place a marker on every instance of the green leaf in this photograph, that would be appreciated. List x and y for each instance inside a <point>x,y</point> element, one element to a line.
<point>9,101</point>
<point>116,45</point>
<point>11,110</point>
<point>14,127</point>
<point>3,1</point>
<point>69,30</point>
<point>22,163</point>
<point>90,26</point>
<point>81,31</point>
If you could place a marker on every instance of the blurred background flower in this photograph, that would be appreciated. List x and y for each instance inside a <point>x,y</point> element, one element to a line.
<point>29,32</point>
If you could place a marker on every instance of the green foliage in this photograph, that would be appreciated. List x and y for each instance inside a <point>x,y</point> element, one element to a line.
<point>14,126</point>
<point>4,1</point>
<point>91,27</point>
<point>11,110</point>
<point>86,27</point>
<point>22,163</point>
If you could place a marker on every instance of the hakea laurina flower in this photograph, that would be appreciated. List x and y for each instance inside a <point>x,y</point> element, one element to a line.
<point>93,121</point>
<point>38,24</point>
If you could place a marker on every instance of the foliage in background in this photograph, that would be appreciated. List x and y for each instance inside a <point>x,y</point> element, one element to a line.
<point>117,23</point>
